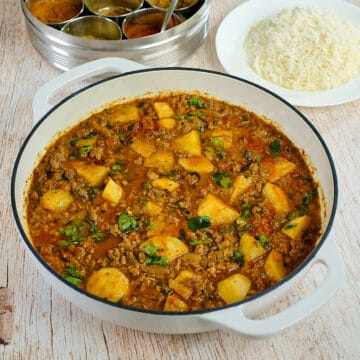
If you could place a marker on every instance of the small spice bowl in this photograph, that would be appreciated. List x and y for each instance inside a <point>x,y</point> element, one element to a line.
<point>55,12</point>
<point>146,22</point>
<point>183,7</point>
<point>115,9</point>
<point>93,27</point>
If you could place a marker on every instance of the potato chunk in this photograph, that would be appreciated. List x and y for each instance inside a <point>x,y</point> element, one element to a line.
<point>163,110</point>
<point>179,283</point>
<point>167,123</point>
<point>234,288</point>
<point>169,246</point>
<point>250,247</point>
<point>277,197</point>
<point>162,160</point>
<point>197,164</point>
<point>189,143</point>
<point>276,168</point>
<point>56,200</point>
<point>173,303</point>
<point>109,283</point>
<point>112,191</point>
<point>85,142</point>
<point>296,227</point>
<point>225,136</point>
<point>165,183</point>
<point>124,113</point>
<point>241,185</point>
<point>152,209</point>
<point>94,174</point>
<point>274,266</point>
<point>142,148</point>
<point>219,212</point>
<point>158,226</point>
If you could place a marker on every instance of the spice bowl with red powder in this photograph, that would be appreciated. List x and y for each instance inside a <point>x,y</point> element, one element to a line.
<point>146,22</point>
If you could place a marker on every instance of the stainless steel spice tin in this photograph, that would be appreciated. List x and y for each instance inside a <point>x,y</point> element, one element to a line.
<point>65,51</point>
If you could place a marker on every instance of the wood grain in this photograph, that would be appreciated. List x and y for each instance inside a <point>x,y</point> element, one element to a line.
<point>45,326</point>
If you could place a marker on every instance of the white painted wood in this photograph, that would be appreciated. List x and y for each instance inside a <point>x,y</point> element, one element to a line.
<point>47,327</point>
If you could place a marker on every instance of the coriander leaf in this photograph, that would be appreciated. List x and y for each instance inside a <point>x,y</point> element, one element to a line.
<point>90,136</point>
<point>74,140</point>
<point>290,226</point>
<point>157,260</point>
<point>201,128</point>
<point>263,240</point>
<point>150,250</point>
<point>95,231</point>
<point>245,214</point>
<point>196,102</point>
<point>200,242</point>
<point>72,276</point>
<point>238,258</point>
<point>127,223</point>
<point>73,234</point>
<point>275,147</point>
<point>199,222</point>
<point>218,142</point>
<point>304,206</point>
<point>223,179</point>
<point>84,150</point>
<point>115,168</point>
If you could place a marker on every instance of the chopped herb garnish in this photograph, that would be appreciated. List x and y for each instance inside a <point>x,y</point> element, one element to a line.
<point>83,150</point>
<point>218,142</point>
<point>73,234</point>
<point>90,136</point>
<point>238,258</point>
<point>150,225</point>
<point>157,260</point>
<point>73,141</point>
<point>275,147</point>
<point>263,240</point>
<point>200,242</point>
<point>72,276</point>
<point>199,222</point>
<point>95,231</point>
<point>290,226</point>
<point>150,250</point>
<point>152,259</point>
<point>196,102</point>
<point>115,168</point>
<point>223,179</point>
<point>218,153</point>
<point>246,212</point>
<point>127,223</point>
<point>201,128</point>
<point>304,206</point>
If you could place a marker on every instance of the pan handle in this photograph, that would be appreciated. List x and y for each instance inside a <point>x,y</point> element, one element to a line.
<point>235,320</point>
<point>41,102</point>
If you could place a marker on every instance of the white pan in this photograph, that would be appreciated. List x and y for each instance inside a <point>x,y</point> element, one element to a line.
<point>136,81</point>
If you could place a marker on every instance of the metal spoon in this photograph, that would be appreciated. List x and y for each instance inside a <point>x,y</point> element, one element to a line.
<point>168,14</point>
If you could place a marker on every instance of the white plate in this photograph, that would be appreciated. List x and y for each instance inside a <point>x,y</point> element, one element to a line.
<point>230,48</point>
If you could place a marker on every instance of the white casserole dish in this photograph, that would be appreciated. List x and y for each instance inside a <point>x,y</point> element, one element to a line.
<point>235,317</point>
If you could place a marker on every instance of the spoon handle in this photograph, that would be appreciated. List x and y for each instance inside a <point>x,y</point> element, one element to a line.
<point>168,14</point>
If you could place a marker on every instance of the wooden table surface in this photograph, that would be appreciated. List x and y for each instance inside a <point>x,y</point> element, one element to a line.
<point>37,323</point>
